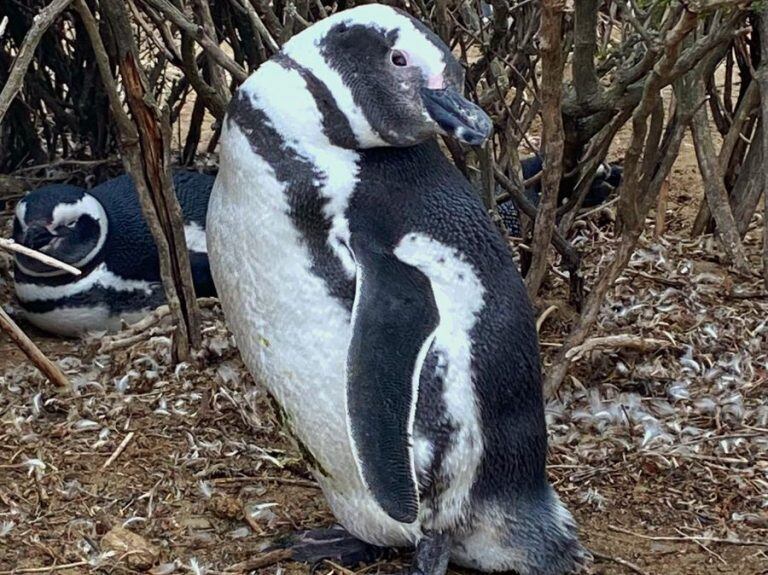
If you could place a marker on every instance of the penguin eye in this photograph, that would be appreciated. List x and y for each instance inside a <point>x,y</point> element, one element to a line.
<point>398,58</point>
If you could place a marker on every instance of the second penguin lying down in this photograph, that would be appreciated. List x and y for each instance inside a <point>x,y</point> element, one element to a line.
<point>607,179</point>
<point>103,233</point>
<point>368,289</point>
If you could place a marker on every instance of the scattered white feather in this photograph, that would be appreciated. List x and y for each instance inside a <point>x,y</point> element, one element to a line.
<point>33,464</point>
<point>6,527</point>
<point>196,567</point>
<point>205,488</point>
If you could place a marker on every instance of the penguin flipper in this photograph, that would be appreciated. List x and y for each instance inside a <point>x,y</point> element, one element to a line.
<point>393,320</point>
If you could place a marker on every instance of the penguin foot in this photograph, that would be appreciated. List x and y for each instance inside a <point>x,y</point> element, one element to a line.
<point>432,555</point>
<point>336,544</point>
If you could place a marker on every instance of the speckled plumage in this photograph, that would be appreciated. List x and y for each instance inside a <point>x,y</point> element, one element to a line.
<point>607,179</point>
<point>369,291</point>
<point>111,245</point>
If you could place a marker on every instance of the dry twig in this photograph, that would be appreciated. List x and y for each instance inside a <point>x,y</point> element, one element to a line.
<point>629,565</point>
<point>16,77</point>
<point>12,246</point>
<point>37,357</point>
<point>49,569</point>
<point>613,341</point>
<point>120,448</point>
<point>690,538</point>
<point>265,560</point>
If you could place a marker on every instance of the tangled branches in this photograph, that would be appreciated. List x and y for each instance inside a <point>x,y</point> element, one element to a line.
<point>575,74</point>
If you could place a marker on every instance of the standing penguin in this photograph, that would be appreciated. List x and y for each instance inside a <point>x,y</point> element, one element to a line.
<point>102,232</point>
<point>368,289</point>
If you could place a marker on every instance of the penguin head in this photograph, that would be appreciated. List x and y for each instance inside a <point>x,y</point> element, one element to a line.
<point>398,76</point>
<point>64,222</point>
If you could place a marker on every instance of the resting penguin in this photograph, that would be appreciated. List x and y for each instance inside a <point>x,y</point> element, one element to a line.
<point>607,179</point>
<point>103,233</point>
<point>368,289</point>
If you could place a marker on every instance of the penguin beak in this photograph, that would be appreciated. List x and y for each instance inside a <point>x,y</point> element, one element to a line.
<point>457,116</point>
<point>36,237</point>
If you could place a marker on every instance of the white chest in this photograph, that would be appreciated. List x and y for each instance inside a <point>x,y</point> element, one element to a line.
<point>292,334</point>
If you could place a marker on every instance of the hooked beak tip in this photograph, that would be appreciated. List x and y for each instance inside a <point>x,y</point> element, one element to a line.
<point>457,116</point>
<point>474,137</point>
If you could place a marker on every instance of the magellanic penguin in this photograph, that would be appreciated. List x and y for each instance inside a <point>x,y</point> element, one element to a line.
<point>368,289</point>
<point>607,179</point>
<point>103,233</point>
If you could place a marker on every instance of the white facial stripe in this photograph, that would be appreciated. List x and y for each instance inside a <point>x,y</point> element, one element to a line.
<point>420,50</point>
<point>101,276</point>
<point>301,125</point>
<point>21,214</point>
<point>195,236</point>
<point>304,48</point>
<point>459,297</point>
<point>65,213</point>
<point>88,205</point>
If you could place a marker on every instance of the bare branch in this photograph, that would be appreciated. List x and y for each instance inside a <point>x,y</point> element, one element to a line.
<point>26,345</point>
<point>552,63</point>
<point>198,33</point>
<point>40,24</point>
<point>638,192</point>
<point>257,24</point>
<point>585,49</point>
<point>762,78</point>
<point>12,246</point>
<point>712,177</point>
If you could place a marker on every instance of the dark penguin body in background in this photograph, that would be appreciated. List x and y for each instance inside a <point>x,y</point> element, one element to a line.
<point>607,179</point>
<point>396,332</point>
<point>103,233</point>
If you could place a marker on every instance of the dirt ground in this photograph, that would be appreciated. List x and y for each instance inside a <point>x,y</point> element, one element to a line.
<point>662,455</point>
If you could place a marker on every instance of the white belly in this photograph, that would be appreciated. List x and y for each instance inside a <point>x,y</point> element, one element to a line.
<point>292,334</point>
<point>78,321</point>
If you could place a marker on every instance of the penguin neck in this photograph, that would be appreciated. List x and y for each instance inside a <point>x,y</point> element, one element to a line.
<point>285,127</point>
<point>287,123</point>
<point>319,111</point>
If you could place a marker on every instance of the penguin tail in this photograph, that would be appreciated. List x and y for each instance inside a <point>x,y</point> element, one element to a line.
<point>546,535</point>
<point>532,534</point>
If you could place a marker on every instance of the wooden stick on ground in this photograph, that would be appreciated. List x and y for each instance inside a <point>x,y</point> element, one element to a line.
<point>142,329</point>
<point>16,78</point>
<point>690,538</point>
<point>45,365</point>
<point>120,448</point>
<point>12,246</point>
<point>263,560</point>
<point>615,341</point>
<point>631,566</point>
